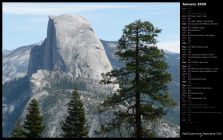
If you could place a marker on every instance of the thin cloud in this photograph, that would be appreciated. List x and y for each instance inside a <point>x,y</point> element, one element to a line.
<point>54,9</point>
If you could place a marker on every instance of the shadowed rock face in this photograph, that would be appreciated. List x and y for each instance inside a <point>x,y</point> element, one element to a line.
<point>71,46</point>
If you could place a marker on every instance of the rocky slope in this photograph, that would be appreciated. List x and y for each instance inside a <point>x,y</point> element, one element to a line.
<point>15,63</point>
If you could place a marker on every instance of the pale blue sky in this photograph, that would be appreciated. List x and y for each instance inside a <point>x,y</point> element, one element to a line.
<point>26,23</point>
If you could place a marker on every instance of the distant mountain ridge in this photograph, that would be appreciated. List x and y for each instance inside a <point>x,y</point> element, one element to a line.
<point>6,52</point>
<point>15,62</point>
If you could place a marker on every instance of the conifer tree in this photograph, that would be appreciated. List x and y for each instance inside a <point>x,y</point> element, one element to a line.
<point>74,124</point>
<point>33,124</point>
<point>18,131</point>
<point>142,96</point>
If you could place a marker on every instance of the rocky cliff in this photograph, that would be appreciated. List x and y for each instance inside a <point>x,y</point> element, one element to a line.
<point>71,46</point>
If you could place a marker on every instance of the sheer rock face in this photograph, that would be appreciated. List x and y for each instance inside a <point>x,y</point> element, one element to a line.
<point>71,46</point>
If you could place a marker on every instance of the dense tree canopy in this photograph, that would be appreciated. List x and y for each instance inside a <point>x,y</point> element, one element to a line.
<point>74,124</point>
<point>33,124</point>
<point>142,96</point>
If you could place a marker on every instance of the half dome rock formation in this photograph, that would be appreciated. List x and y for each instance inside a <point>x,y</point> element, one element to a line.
<point>71,46</point>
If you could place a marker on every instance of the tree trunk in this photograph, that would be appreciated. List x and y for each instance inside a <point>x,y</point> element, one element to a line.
<point>137,96</point>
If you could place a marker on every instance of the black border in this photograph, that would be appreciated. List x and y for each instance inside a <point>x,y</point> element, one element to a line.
<point>178,1</point>
<point>83,1</point>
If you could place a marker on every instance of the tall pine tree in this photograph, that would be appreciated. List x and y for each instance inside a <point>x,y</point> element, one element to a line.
<point>18,131</point>
<point>33,124</point>
<point>142,96</point>
<point>74,124</point>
